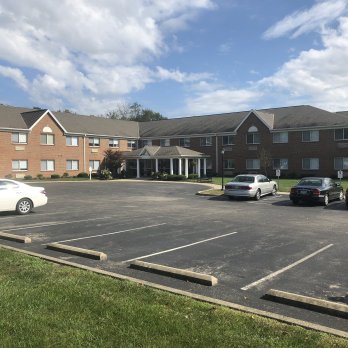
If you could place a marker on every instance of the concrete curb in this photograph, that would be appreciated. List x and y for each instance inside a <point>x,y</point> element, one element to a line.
<point>330,307</point>
<point>15,238</point>
<point>92,254</point>
<point>195,277</point>
<point>249,310</point>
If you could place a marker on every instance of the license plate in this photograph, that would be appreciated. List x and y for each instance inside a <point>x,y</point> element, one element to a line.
<point>303,192</point>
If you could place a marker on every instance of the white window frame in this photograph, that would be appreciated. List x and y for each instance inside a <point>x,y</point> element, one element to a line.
<point>72,141</point>
<point>230,139</point>
<point>184,142</point>
<point>253,135</point>
<point>344,133</point>
<point>254,161</point>
<point>45,139</point>
<point>47,165</point>
<point>19,138</point>
<point>72,165</point>
<point>114,143</point>
<point>164,142</point>
<point>344,163</point>
<point>94,142</point>
<point>207,141</point>
<point>283,138</point>
<point>283,163</point>
<point>229,164</point>
<point>313,136</point>
<point>131,144</point>
<point>94,164</point>
<point>313,163</point>
<point>19,165</point>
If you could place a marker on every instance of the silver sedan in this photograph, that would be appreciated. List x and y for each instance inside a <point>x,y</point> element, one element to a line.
<point>250,186</point>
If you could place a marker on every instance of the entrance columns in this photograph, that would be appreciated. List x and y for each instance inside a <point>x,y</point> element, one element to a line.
<point>138,168</point>
<point>171,167</point>
<point>180,168</point>
<point>156,165</point>
<point>199,167</point>
<point>204,166</point>
<point>186,167</point>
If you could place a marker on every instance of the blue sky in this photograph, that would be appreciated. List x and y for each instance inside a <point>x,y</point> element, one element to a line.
<point>177,57</point>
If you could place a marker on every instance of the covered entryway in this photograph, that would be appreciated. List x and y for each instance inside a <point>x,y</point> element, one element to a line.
<point>171,159</point>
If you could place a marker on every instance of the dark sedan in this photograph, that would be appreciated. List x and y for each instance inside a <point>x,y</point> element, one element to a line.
<point>316,190</point>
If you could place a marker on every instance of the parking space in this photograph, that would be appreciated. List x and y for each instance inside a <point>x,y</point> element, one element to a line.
<point>249,246</point>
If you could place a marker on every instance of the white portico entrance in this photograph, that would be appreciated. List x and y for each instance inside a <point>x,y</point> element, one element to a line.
<point>170,159</point>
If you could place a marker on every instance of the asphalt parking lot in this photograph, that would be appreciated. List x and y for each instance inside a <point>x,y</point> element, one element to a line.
<point>249,246</point>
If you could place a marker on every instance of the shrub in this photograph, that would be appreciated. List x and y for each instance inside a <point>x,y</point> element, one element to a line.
<point>83,175</point>
<point>193,176</point>
<point>40,176</point>
<point>176,177</point>
<point>65,175</point>
<point>55,176</point>
<point>8,176</point>
<point>105,174</point>
<point>27,177</point>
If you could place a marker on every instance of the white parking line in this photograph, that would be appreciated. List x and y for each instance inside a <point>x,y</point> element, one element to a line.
<point>181,247</point>
<point>272,275</point>
<point>54,223</point>
<point>108,234</point>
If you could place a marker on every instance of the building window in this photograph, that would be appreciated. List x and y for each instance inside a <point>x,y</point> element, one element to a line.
<point>280,138</point>
<point>184,142</point>
<point>252,164</point>
<point>19,165</point>
<point>94,165</point>
<point>228,140</point>
<point>94,142</point>
<point>72,141</point>
<point>310,163</point>
<point>47,139</point>
<point>341,134</point>
<point>47,165</point>
<point>147,142</point>
<point>19,138</point>
<point>253,138</point>
<point>229,164</point>
<point>165,142</point>
<point>206,141</point>
<point>341,163</point>
<point>113,142</point>
<point>280,163</point>
<point>72,165</point>
<point>310,136</point>
<point>131,144</point>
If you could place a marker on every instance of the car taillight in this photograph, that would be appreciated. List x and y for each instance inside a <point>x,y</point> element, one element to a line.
<point>315,192</point>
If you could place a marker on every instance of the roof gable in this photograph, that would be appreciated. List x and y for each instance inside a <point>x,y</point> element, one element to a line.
<point>266,118</point>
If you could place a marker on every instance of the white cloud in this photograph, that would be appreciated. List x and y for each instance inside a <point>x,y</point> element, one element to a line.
<point>316,18</point>
<point>82,52</point>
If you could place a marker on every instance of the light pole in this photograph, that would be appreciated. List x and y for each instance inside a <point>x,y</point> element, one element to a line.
<point>222,168</point>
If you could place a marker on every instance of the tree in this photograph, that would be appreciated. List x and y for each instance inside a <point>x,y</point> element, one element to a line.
<point>265,160</point>
<point>134,112</point>
<point>113,161</point>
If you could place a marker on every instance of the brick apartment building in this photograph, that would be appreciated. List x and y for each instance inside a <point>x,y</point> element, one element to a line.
<point>299,140</point>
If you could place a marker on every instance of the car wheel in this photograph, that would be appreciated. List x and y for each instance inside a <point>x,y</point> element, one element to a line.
<point>257,195</point>
<point>341,196</point>
<point>295,201</point>
<point>230,198</point>
<point>326,200</point>
<point>24,206</point>
<point>274,190</point>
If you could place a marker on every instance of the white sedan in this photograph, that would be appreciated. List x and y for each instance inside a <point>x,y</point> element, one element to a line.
<point>20,197</point>
<point>251,186</point>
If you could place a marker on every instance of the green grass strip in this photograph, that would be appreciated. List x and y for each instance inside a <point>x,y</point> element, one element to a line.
<point>49,305</point>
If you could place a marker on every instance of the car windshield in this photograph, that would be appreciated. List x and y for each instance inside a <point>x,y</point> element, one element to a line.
<point>244,178</point>
<point>311,182</point>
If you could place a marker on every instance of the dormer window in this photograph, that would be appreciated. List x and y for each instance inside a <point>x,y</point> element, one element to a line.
<point>253,136</point>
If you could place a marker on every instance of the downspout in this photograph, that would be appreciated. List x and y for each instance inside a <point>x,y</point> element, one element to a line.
<point>216,155</point>
<point>84,153</point>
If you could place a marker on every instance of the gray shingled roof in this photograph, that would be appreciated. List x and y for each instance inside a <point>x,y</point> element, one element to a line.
<point>162,152</point>
<point>10,117</point>
<point>30,117</point>
<point>74,123</point>
<point>284,118</point>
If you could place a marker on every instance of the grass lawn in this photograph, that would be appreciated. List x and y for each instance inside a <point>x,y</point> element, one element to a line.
<point>49,305</point>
